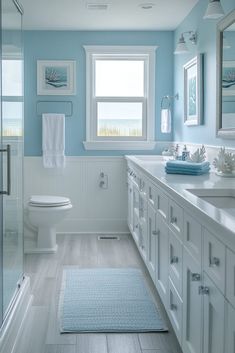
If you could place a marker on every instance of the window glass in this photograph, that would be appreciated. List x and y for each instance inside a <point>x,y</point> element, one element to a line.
<point>119,119</point>
<point>119,78</point>
<point>12,78</point>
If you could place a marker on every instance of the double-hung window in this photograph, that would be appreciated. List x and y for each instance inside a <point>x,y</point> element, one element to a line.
<point>120,97</point>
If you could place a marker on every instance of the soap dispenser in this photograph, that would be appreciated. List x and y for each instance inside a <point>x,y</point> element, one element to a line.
<point>185,153</point>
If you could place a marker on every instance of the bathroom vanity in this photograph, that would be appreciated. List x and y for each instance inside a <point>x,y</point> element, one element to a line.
<point>184,228</point>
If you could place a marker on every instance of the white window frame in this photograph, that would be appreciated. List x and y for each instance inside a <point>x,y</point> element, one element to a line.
<point>145,142</point>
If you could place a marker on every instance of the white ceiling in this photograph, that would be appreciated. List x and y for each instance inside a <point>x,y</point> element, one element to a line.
<point>120,15</point>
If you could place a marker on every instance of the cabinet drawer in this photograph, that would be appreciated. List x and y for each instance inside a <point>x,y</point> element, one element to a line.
<point>193,237</point>
<point>230,277</point>
<point>176,218</point>
<point>175,311</point>
<point>151,194</point>
<point>214,259</point>
<point>162,204</point>
<point>142,183</point>
<point>175,261</point>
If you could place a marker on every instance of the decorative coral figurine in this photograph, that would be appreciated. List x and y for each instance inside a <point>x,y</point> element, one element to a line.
<point>198,156</point>
<point>225,163</point>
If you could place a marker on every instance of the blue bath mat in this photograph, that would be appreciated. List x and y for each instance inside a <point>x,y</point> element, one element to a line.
<point>107,300</point>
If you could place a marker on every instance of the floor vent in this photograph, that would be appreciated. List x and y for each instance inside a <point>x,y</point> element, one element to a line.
<point>108,237</point>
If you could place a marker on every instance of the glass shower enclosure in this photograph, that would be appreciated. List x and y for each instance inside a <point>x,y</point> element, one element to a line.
<point>11,156</point>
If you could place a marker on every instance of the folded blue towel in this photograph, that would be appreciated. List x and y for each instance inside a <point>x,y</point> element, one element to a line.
<point>187,172</point>
<point>190,169</point>
<point>189,165</point>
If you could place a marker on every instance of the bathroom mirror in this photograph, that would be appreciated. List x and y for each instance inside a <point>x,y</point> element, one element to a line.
<point>226,77</point>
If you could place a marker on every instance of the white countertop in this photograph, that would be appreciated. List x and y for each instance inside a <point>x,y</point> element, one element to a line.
<point>177,185</point>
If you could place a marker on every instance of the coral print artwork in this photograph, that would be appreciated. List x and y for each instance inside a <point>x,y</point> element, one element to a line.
<point>56,77</point>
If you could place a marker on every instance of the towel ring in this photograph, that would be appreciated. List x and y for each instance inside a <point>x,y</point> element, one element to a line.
<point>168,100</point>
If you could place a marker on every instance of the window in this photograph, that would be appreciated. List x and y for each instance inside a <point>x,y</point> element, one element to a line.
<point>120,97</point>
<point>12,97</point>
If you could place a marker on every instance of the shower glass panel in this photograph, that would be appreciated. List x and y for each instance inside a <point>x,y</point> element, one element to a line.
<point>12,159</point>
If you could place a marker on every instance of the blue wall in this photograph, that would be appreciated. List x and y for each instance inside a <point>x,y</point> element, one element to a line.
<point>206,29</point>
<point>68,45</point>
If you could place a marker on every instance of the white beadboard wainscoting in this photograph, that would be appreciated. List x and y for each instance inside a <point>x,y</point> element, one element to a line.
<point>95,210</point>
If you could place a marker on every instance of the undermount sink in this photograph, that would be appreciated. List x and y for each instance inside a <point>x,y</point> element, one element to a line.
<point>223,199</point>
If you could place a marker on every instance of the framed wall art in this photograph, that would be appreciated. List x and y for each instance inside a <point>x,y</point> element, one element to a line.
<point>193,91</point>
<point>55,77</point>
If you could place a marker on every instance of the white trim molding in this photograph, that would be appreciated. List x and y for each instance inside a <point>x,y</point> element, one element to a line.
<point>119,145</point>
<point>146,141</point>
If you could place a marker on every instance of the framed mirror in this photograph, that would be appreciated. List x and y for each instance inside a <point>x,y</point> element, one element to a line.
<point>225,97</point>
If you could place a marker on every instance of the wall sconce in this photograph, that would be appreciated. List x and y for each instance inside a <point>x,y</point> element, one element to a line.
<point>214,10</point>
<point>181,47</point>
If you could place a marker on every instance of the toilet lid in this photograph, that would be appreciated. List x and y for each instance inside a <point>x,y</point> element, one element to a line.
<point>48,201</point>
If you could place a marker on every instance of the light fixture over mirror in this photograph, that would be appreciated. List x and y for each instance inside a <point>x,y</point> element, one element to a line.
<point>181,47</point>
<point>214,10</point>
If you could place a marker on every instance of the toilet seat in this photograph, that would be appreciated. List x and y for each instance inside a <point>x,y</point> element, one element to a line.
<point>48,201</point>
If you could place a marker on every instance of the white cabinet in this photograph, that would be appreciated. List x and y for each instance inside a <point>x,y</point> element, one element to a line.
<point>230,329</point>
<point>175,311</point>
<point>130,205</point>
<point>175,261</point>
<point>214,319</point>
<point>193,237</point>
<point>214,259</point>
<point>152,234</point>
<point>230,277</point>
<point>192,305</point>
<point>176,219</point>
<point>162,258</point>
<point>193,270</point>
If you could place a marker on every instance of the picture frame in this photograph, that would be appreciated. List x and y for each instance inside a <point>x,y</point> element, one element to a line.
<point>228,78</point>
<point>193,91</point>
<point>56,77</point>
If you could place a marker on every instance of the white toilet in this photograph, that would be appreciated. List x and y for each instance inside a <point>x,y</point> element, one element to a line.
<point>44,213</point>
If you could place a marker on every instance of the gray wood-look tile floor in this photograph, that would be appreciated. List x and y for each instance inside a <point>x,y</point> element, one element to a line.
<point>41,334</point>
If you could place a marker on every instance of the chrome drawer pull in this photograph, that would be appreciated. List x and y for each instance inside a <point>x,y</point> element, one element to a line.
<point>174,260</point>
<point>173,307</point>
<point>214,261</point>
<point>203,290</point>
<point>156,232</point>
<point>195,277</point>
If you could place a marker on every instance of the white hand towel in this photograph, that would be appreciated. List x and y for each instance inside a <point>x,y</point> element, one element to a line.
<point>165,121</point>
<point>53,140</point>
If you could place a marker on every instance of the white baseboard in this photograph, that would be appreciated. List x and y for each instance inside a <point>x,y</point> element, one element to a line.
<point>12,327</point>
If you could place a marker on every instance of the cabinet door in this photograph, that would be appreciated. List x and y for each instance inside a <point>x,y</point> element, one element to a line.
<point>143,238</point>
<point>175,311</point>
<point>193,237</point>
<point>152,233</point>
<point>192,305</point>
<point>214,304</point>
<point>214,259</point>
<point>176,219</point>
<point>230,277</point>
<point>230,329</point>
<point>175,261</point>
<point>130,206</point>
<point>162,259</point>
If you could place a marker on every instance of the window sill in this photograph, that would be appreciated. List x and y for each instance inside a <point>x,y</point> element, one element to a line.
<point>119,145</point>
